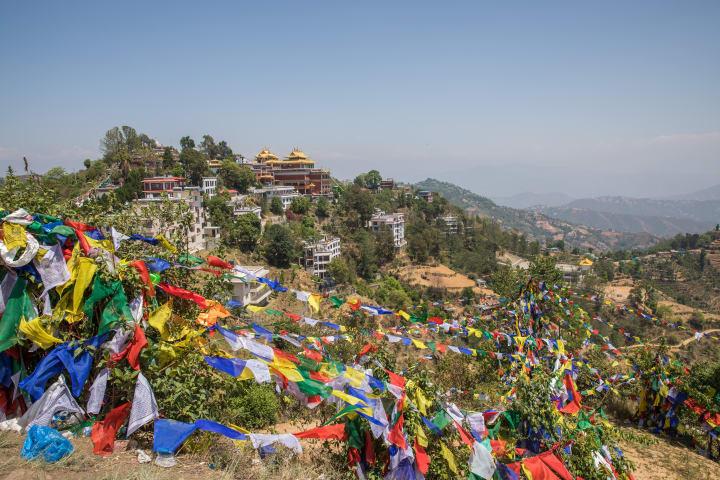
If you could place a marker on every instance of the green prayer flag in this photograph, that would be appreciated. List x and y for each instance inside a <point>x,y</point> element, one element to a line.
<point>442,419</point>
<point>337,302</point>
<point>17,306</point>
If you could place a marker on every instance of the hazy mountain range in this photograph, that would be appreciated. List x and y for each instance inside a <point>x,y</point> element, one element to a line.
<point>536,224</point>
<point>694,212</point>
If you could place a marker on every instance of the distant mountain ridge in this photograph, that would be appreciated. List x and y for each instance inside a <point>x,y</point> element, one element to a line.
<point>531,199</point>
<point>536,224</point>
<point>661,217</point>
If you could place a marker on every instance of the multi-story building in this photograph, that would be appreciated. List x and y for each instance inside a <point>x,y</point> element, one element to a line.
<point>387,184</point>
<point>202,235</point>
<point>451,224</point>
<point>394,221</point>
<point>209,186</point>
<point>318,255</point>
<point>155,187</point>
<point>247,291</point>
<point>296,170</point>
<point>286,194</point>
<point>151,159</point>
<point>425,195</point>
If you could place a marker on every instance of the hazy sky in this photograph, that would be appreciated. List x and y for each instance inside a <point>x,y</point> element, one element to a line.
<point>589,99</point>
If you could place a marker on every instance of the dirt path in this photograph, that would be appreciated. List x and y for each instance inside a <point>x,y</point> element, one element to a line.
<point>673,348</point>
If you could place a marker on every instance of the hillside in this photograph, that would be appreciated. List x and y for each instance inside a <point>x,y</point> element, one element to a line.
<point>622,222</point>
<point>660,217</point>
<point>535,224</point>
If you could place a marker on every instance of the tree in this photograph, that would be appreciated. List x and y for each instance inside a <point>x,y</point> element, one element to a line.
<point>358,205</point>
<point>219,212</point>
<point>322,208</point>
<point>168,159</point>
<point>208,146</point>
<point>373,179</point>
<point>543,268</point>
<point>186,142</point>
<point>341,270</point>
<point>366,261</point>
<point>385,245</point>
<point>279,247</point>
<point>120,139</point>
<point>243,232</point>
<point>195,165</point>
<point>236,176</point>
<point>507,281</point>
<point>223,150</point>
<point>132,187</point>
<point>87,163</point>
<point>276,206</point>
<point>300,205</point>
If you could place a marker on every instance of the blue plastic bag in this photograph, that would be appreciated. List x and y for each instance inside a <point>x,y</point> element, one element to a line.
<point>47,442</point>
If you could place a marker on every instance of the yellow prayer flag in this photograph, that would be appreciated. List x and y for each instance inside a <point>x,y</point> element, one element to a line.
<point>449,457</point>
<point>166,243</point>
<point>403,314</point>
<point>418,344</point>
<point>35,332</point>
<point>14,236</point>
<point>348,398</point>
<point>314,302</point>
<point>356,377</point>
<point>255,308</point>
<point>158,319</point>
<point>421,436</point>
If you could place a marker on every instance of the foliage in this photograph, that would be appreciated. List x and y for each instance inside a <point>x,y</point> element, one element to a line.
<point>279,246</point>
<point>322,209</point>
<point>543,268</point>
<point>369,180</point>
<point>507,281</point>
<point>276,206</point>
<point>195,165</point>
<point>188,389</point>
<point>243,232</point>
<point>219,209</point>
<point>238,177</point>
<point>384,245</point>
<point>341,270</point>
<point>300,205</point>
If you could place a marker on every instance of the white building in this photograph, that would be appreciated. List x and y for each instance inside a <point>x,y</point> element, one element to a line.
<point>247,291</point>
<point>394,221</point>
<point>285,193</point>
<point>202,235</point>
<point>317,255</point>
<point>451,224</point>
<point>209,186</point>
<point>243,209</point>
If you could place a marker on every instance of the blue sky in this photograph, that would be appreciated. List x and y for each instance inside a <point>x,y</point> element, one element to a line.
<point>589,99</point>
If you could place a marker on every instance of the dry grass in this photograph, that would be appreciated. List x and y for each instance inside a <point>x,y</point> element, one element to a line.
<point>223,460</point>
<point>667,460</point>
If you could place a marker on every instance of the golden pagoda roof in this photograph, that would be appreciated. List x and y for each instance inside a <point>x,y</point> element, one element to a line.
<point>265,155</point>
<point>585,262</point>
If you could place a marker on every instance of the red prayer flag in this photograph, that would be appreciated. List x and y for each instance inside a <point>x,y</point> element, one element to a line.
<point>395,436</point>
<point>218,262</point>
<point>103,433</point>
<point>182,293</point>
<point>133,349</point>
<point>140,266</point>
<point>421,458</point>
<point>328,432</point>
